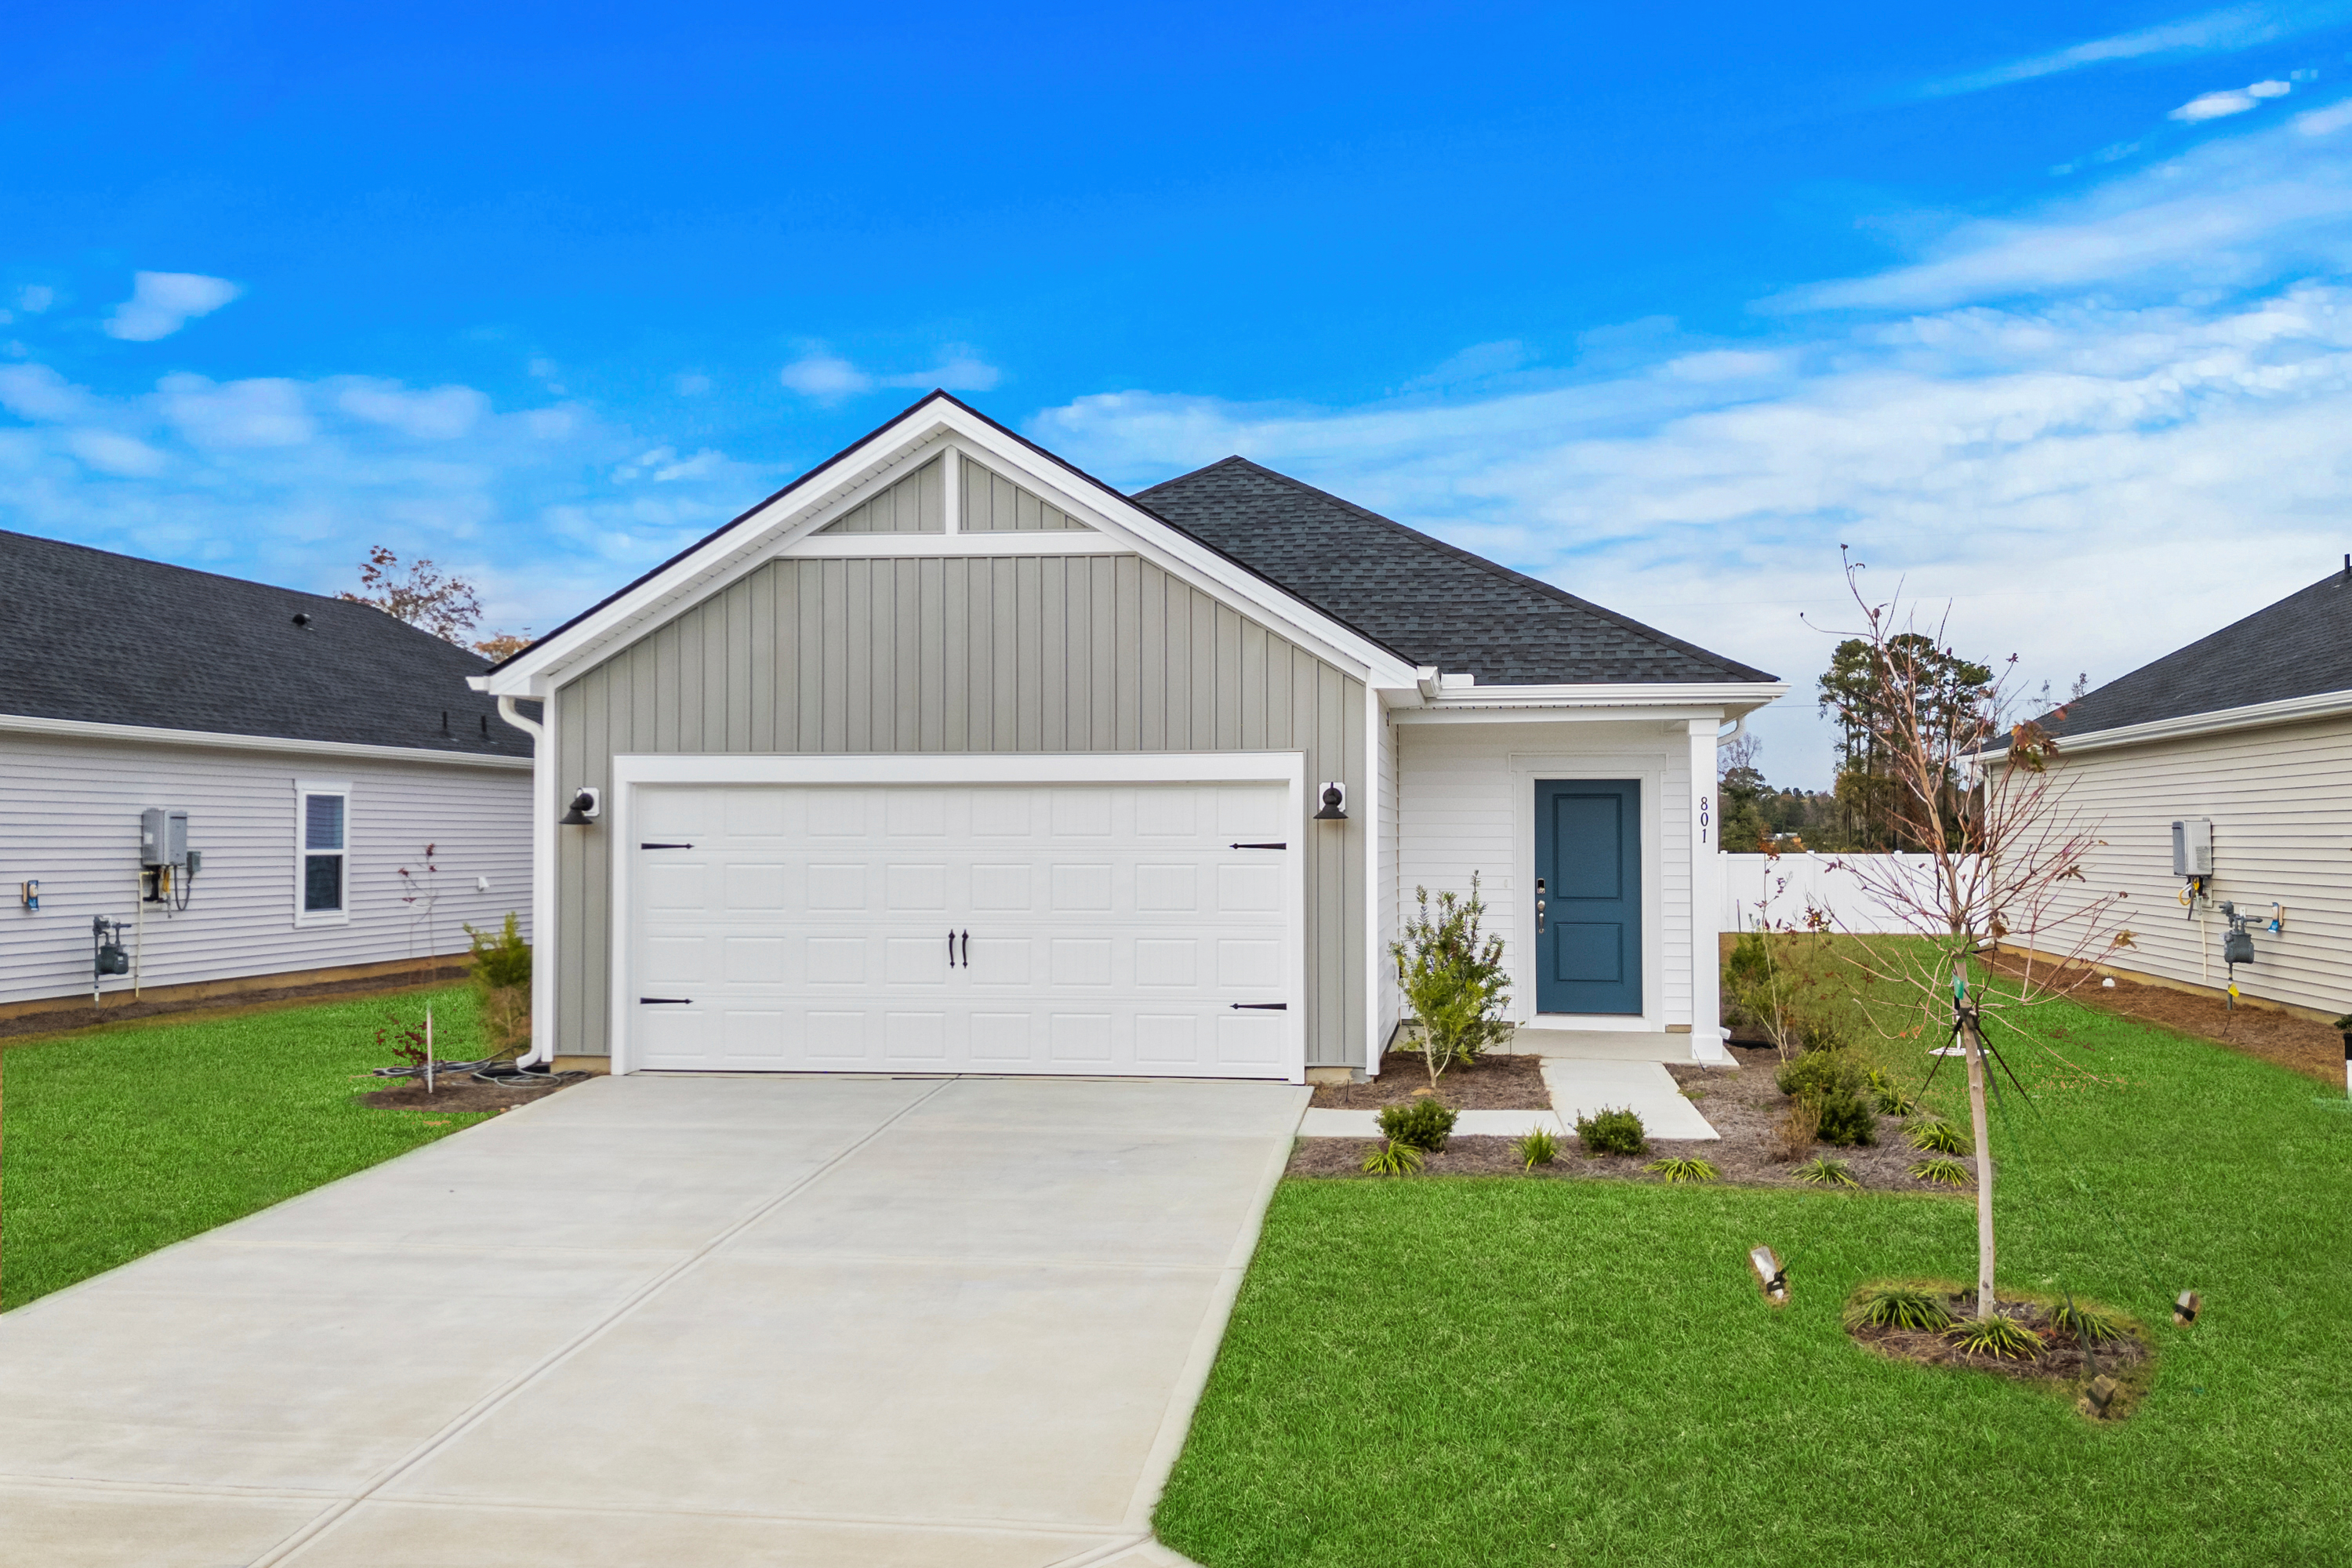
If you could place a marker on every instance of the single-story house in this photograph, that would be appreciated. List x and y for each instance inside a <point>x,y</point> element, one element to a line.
<point>315,746</point>
<point>2245,739</point>
<point>949,757</point>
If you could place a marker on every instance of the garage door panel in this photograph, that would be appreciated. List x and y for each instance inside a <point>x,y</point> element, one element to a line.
<point>1101,930</point>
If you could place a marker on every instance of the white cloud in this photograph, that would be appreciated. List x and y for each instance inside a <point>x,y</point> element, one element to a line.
<point>2226,30</point>
<point>110,452</point>
<point>825,377</point>
<point>2236,100</point>
<point>161,303</point>
<point>1479,362</point>
<point>35,392</point>
<point>443,414</point>
<point>263,412</point>
<point>35,298</point>
<point>690,383</point>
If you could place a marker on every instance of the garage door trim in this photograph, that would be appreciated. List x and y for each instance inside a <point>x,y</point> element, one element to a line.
<point>632,770</point>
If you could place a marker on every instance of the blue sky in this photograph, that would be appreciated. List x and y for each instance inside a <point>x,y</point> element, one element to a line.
<point>2043,309</point>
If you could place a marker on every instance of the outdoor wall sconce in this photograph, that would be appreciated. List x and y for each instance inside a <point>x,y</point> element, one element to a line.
<point>2184,1311</point>
<point>1770,1275</point>
<point>1335,804</point>
<point>587,805</point>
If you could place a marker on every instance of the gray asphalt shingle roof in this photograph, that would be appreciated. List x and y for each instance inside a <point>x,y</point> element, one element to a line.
<point>1434,604</point>
<point>2300,646</point>
<point>111,639</point>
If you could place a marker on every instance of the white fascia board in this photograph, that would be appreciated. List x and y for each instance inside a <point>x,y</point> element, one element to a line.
<point>143,735</point>
<point>960,767</point>
<point>772,529</point>
<point>928,546</point>
<point>1505,704</point>
<point>2253,715</point>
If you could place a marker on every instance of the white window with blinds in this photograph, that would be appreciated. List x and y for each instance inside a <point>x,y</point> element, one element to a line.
<point>321,852</point>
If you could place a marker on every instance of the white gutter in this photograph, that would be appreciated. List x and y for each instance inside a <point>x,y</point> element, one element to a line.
<point>514,715</point>
<point>143,735</point>
<point>542,884</point>
<point>2255,715</point>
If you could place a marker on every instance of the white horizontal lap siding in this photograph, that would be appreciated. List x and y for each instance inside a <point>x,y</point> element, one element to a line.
<point>70,817</point>
<point>2281,803</point>
<point>1458,787</point>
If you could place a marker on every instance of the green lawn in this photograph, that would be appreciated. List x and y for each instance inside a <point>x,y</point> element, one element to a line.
<point>122,1140</point>
<point>1510,1371</point>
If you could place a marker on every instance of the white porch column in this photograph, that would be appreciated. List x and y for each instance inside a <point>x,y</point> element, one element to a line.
<point>1707,891</point>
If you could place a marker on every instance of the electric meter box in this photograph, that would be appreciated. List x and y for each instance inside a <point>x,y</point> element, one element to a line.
<point>163,836</point>
<point>2192,847</point>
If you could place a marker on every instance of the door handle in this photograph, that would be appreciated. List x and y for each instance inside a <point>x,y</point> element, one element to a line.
<point>1539,906</point>
<point>665,1000</point>
<point>1258,847</point>
<point>950,947</point>
<point>967,950</point>
<point>1262,1006</point>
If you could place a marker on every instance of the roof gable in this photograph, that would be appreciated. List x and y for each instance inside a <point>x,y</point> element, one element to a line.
<point>2299,646</point>
<point>1430,601</point>
<point>90,637</point>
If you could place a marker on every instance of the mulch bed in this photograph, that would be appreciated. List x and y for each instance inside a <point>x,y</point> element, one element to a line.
<point>460,1095</point>
<point>2268,1034</point>
<point>1490,1083</point>
<point>2061,1362</point>
<point>1743,1106</point>
<point>119,1007</point>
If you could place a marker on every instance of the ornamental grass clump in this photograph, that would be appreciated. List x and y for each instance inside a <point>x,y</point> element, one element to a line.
<point>1821,1170</point>
<point>1454,980</point>
<point>1680,1169</point>
<point>1889,1095</point>
<point>2086,1325</point>
<point>1393,1158</point>
<point>1934,1135</point>
<point>1995,1336</point>
<point>1606,1131</point>
<point>1421,1124</point>
<point>1899,1306</point>
<point>1943,1170</point>
<point>1541,1146</point>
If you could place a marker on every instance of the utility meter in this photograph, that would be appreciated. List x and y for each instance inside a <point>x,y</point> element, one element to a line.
<point>163,836</point>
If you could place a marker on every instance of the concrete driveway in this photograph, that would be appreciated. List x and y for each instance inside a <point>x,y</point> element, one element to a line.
<point>707,1320</point>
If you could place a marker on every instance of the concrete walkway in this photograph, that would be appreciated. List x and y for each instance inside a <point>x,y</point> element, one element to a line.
<point>1578,1087</point>
<point>702,1319</point>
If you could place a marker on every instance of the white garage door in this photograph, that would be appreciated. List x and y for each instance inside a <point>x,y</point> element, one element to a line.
<point>1148,930</point>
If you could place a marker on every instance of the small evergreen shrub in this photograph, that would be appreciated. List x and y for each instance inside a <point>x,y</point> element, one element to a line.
<point>1680,1169</point>
<point>501,980</point>
<point>1607,1131</point>
<point>1834,1086</point>
<point>1393,1158</point>
<point>1899,1307</point>
<point>1934,1135</point>
<point>1846,1120</point>
<point>1422,1124</point>
<point>1823,1172</point>
<point>1539,1147</point>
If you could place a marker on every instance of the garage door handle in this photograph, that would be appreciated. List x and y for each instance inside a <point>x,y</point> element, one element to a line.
<point>1262,1006</point>
<point>664,845</point>
<point>667,1001</point>
<point>1258,846</point>
<point>967,950</point>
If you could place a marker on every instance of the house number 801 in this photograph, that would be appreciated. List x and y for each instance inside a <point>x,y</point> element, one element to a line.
<point>1702,819</point>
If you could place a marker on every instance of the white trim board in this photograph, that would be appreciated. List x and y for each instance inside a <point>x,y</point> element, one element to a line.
<point>632,771</point>
<point>143,735</point>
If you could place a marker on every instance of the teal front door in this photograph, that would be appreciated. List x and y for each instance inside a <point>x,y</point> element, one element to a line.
<point>1588,896</point>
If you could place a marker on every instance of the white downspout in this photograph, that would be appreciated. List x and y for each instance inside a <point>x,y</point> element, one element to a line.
<point>542,886</point>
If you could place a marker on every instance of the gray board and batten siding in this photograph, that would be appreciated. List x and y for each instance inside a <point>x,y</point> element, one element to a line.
<point>991,504</point>
<point>1026,653</point>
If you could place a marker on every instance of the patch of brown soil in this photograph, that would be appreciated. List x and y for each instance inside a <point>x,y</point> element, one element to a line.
<point>2061,1365</point>
<point>2268,1034</point>
<point>461,1095</point>
<point>1743,1106</point>
<point>1490,1083</point>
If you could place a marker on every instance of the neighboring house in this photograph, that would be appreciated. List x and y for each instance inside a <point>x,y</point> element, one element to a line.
<point>316,745</point>
<point>2248,730</point>
<point>949,757</point>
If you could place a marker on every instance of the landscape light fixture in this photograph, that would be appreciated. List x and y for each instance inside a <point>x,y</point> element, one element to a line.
<point>587,805</point>
<point>2184,1310</point>
<point>2099,1395</point>
<point>1769,1274</point>
<point>1335,804</point>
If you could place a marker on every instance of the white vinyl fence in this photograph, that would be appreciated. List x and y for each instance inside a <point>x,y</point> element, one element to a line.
<point>1778,889</point>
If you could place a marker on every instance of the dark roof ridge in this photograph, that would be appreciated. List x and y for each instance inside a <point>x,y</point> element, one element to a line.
<point>1495,568</point>
<point>152,564</point>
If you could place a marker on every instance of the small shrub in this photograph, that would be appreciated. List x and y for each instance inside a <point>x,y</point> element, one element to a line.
<point>1995,1336</point>
<point>1899,1307</point>
<point>1823,1172</point>
<point>1423,1125</point>
<point>1393,1158</point>
<point>502,979</point>
<point>1454,979</point>
<point>1943,1170</point>
<point>1846,1121</point>
<point>1835,1085</point>
<point>1889,1095</point>
<point>1796,1132</point>
<point>1607,1131</point>
<point>1815,1073</point>
<point>1935,1136</point>
<point>1539,1147</point>
<point>2088,1325</point>
<point>1679,1169</point>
